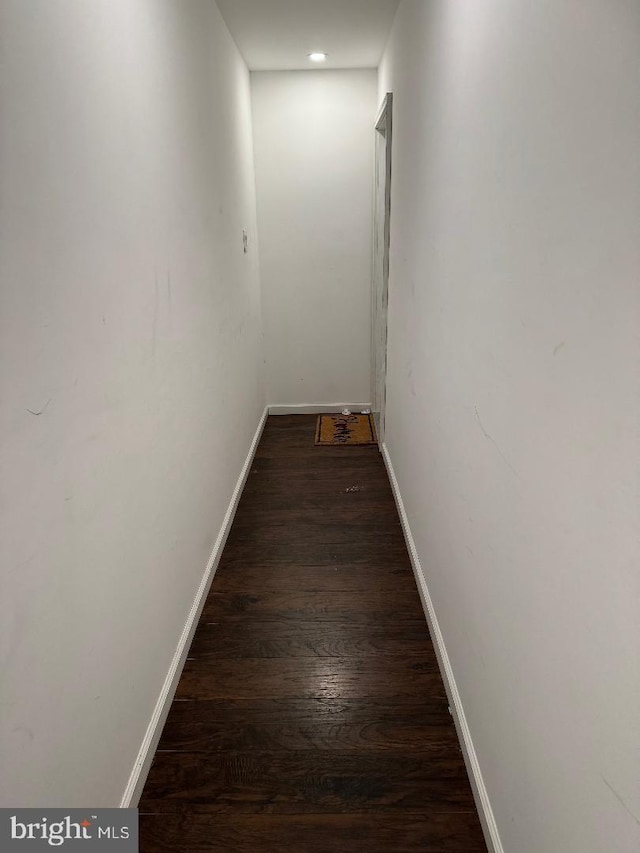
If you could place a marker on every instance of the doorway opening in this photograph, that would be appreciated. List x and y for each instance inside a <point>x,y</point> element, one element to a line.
<point>380,283</point>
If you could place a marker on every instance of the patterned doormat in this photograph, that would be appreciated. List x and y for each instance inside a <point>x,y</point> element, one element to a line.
<point>345,429</point>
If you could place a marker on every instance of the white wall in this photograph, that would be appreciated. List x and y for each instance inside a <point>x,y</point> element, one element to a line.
<point>313,134</point>
<point>130,329</point>
<point>513,405</point>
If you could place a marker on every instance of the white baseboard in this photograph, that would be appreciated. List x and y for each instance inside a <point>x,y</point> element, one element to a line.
<point>487,819</point>
<point>143,761</point>
<point>317,408</point>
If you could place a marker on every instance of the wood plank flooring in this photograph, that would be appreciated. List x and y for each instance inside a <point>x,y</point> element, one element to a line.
<point>311,716</point>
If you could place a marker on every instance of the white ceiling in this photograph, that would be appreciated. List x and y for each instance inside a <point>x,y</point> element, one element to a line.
<point>276,35</point>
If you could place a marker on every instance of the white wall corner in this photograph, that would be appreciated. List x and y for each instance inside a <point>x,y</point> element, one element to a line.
<point>316,408</point>
<point>150,741</point>
<point>480,794</point>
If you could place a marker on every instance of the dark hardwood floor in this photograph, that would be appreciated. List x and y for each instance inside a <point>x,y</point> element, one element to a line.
<point>311,716</point>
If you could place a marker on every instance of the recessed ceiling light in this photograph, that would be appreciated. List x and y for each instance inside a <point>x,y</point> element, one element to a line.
<point>318,57</point>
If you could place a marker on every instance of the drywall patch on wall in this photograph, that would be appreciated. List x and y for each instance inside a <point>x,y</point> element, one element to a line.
<point>314,165</point>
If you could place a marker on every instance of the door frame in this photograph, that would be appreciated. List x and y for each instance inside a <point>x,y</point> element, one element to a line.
<point>380,265</point>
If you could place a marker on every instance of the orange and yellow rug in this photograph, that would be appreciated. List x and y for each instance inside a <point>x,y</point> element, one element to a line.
<point>345,429</point>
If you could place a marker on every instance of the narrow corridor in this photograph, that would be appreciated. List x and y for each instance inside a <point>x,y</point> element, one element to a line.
<point>311,715</point>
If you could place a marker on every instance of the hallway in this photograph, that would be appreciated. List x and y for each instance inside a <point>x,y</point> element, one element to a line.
<point>311,714</point>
